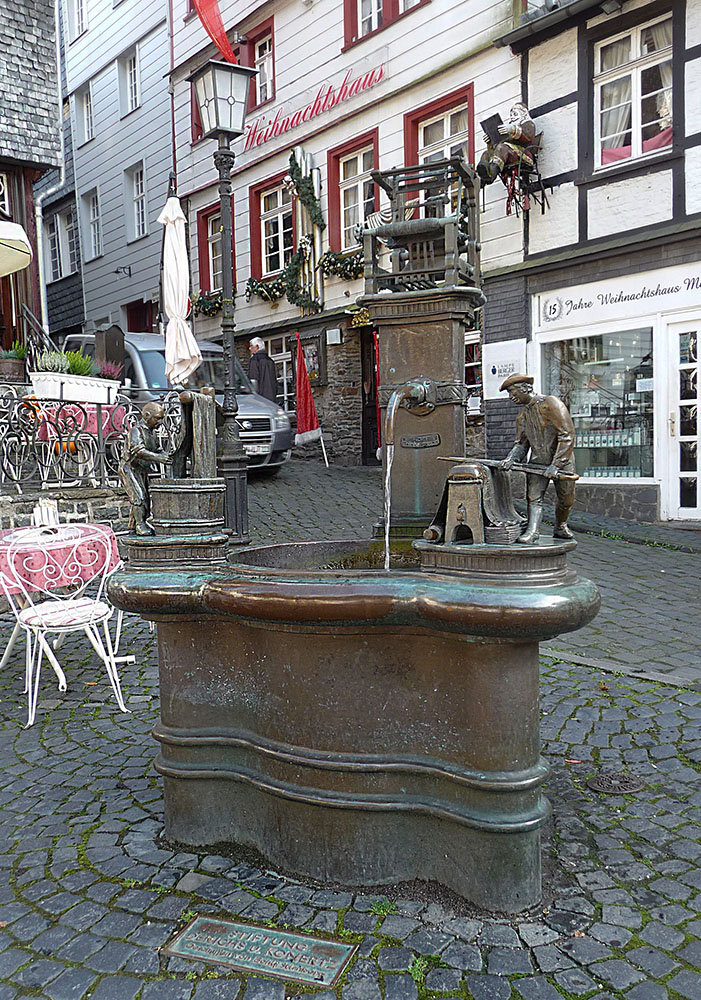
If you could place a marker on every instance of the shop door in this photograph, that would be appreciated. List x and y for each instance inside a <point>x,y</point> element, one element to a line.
<point>683,487</point>
<point>370,440</point>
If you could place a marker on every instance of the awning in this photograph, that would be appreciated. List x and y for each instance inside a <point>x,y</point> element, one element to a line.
<point>15,249</point>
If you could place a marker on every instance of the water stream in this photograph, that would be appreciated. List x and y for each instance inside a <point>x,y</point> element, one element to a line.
<point>388,498</point>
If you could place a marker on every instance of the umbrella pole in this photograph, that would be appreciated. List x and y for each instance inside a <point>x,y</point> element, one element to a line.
<point>323,448</point>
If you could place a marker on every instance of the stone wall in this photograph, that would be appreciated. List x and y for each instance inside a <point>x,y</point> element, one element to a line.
<point>340,403</point>
<point>106,506</point>
<point>29,129</point>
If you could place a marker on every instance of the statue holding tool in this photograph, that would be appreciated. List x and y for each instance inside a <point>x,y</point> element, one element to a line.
<point>544,428</point>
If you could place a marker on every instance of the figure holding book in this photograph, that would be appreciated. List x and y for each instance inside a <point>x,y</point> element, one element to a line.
<point>507,144</point>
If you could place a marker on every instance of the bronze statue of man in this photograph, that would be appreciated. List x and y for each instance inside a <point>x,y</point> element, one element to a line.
<point>544,427</point>
<point>140,451</point>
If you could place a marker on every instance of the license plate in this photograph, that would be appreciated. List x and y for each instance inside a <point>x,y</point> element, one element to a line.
<point>256,449</point>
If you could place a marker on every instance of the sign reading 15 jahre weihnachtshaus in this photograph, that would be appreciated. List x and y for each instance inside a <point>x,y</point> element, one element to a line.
<point>298,958</point>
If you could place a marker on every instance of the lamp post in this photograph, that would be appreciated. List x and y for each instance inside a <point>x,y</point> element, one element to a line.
<point>221,92</point>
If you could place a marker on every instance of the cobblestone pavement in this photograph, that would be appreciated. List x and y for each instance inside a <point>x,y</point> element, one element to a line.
<point>90,892</point>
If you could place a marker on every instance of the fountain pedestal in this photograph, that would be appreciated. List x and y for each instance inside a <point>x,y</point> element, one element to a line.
<point>360,726</point>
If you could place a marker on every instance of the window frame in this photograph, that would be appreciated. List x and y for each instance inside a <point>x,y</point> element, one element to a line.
<point>58,245</point>
<point>255,196</point>
<point>139,201</point>
<point>392,10</point>
<point>634,69</point>
<point>85,114</point>
<point>256,35</point>
<point>125,81</point>
<point>204,246</point>
<point>77,19</point>
<point>93,223</point>
<point>440,106</point>
<point>334,158</point>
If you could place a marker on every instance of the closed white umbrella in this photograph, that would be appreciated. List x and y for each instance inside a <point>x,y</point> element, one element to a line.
<point>183,356</point>
<point>15,249</point>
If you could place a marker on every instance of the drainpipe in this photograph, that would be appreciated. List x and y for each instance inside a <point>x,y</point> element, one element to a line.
<point>39,203</point>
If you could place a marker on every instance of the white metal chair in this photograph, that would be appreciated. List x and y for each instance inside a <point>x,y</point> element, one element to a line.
<point>55,583</point>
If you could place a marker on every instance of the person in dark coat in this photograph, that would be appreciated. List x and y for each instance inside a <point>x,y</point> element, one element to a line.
<point>261,368</point>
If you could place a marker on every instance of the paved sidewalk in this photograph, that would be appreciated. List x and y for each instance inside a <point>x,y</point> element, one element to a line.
<point>90,892</point>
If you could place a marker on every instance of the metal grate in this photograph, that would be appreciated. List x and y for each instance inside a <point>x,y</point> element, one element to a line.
<point>616,784</point>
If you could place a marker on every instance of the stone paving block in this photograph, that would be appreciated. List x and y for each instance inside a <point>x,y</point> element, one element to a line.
<point>575,981</point>
<point>617,937</point>
<point>617,973</point>
<point>49,941</point>
<point>621,916</point>
<point>566,922</point>
<point>687,983</point>
<point>537,934</point>
<point>331,900</point>
<point>359,923</point>
<point>536,988</point>
<point>395,959</point>
<point>29,926</point>
<point>214,889</point>
<point>488,988</point>
<point>10,960</point>
<point>80,947</point>
<point>325,920</point>
<point>647,991</point>
<point>38,973</point>
<point>499,934</point>
<point>296,914</point>
<point>238,900</point>
<point>367,946</point>
<point>142,961</point>
<point>409,907</point>
<point>116,924</point>
<point>585,950</point>
<point>427,942</point>
<point>463,956</point>
<point>662,936</point>
<point>363,903</point>
<point>72,984</point>
<point>136,900</point>
<point>463,928</point>
<point>167,989</point>
<point>505,961</point>
<point>169,908</point>
<point>655,962</point>
<point>111,958</point>
<point>399,987</point>
<point>362,989</point>
<point>84,915</point>
<point>443,980</point>
<point>116,988</point>
<point>151,935</point>
<point>215,863</point>
<point>260,909</point>
<point>193,882</point>
<point>263,989</point>
<point>395,926</point>
<point>294,893</point>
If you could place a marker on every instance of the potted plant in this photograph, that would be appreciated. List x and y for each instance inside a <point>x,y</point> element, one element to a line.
<point>73,377</point>
<point>12,363</point>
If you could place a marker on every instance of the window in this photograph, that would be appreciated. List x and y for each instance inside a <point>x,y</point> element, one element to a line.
<point>369,16</point>
<point>128,76</point>
<point>363,17</point>
<point>439,130</point>
<point>61,245</point>
<point>277,233</point>
<point>264,64</point>
<point>93,222</point>
<point>214,252</point>
<point>352,192</point>
<point>77,18</point>
<point>85,120</point>
<point>259,53</point>
<point>473,369</point>
<point>282,356</point>
<point>209,245</point>
<point>633,93</point>
<point>4,195</point>
<point>139,201</point>
<point>606,383</point>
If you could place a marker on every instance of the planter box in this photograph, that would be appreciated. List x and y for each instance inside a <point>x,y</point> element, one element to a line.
<point>74,388</point>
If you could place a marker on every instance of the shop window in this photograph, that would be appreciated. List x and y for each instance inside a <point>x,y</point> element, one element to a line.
<point>279,351</point>
<point>210,249</point>
<point>606,382</point>
<point>365,17</point>
<point>633,93</point>
<point>353,194</point>
<point>473,370</point>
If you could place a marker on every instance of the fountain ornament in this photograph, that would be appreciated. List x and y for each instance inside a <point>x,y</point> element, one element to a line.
<point>366,726</point>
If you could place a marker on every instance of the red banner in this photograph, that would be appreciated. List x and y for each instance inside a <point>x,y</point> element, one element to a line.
<point>308,428</point>
<point>210,16</point>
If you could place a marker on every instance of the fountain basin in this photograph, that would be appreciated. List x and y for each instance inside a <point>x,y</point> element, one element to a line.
<point>356,725</point>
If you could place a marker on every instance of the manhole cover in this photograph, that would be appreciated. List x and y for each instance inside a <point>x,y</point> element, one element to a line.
<point>298,958</point>
<point>616,784</point>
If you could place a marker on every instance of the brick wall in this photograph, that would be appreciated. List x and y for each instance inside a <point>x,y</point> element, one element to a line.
<point>340,404</point>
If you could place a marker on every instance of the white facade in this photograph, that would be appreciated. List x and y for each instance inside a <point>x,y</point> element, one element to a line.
<point>434,50</point>
<point>116,70</point>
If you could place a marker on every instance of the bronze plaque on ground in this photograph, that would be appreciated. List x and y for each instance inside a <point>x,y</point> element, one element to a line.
<point>298,958</point>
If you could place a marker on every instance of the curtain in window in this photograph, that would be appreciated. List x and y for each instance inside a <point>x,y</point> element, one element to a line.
<point>615,113</point>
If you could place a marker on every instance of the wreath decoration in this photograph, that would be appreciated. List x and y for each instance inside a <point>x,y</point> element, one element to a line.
<point>346,266</point>
<point>208,303</point>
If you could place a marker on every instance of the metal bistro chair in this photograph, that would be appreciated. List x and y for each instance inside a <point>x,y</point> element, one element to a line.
<point>60,588</point>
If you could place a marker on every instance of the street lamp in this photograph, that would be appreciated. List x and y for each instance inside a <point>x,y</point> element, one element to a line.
<point>221,92</point>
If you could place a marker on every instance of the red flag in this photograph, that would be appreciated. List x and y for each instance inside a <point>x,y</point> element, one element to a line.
<point>308,428</point>
<point>210,16</point>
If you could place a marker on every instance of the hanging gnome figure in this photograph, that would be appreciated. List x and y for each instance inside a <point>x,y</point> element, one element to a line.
<point>519,133</point>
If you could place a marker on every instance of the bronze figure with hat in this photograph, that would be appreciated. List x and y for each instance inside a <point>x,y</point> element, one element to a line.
<point>544,429</point>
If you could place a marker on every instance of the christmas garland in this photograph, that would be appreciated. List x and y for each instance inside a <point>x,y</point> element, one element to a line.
<point>207,303</point>
<point>305,192</point>
<point>269,291</point>
<point>287,283</point>
<point>346,266</point>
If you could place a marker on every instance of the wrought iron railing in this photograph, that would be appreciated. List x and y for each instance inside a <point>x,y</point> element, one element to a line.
<point>47,443</point>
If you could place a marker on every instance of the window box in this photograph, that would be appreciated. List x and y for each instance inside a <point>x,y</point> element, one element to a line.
<point>74,388</point>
